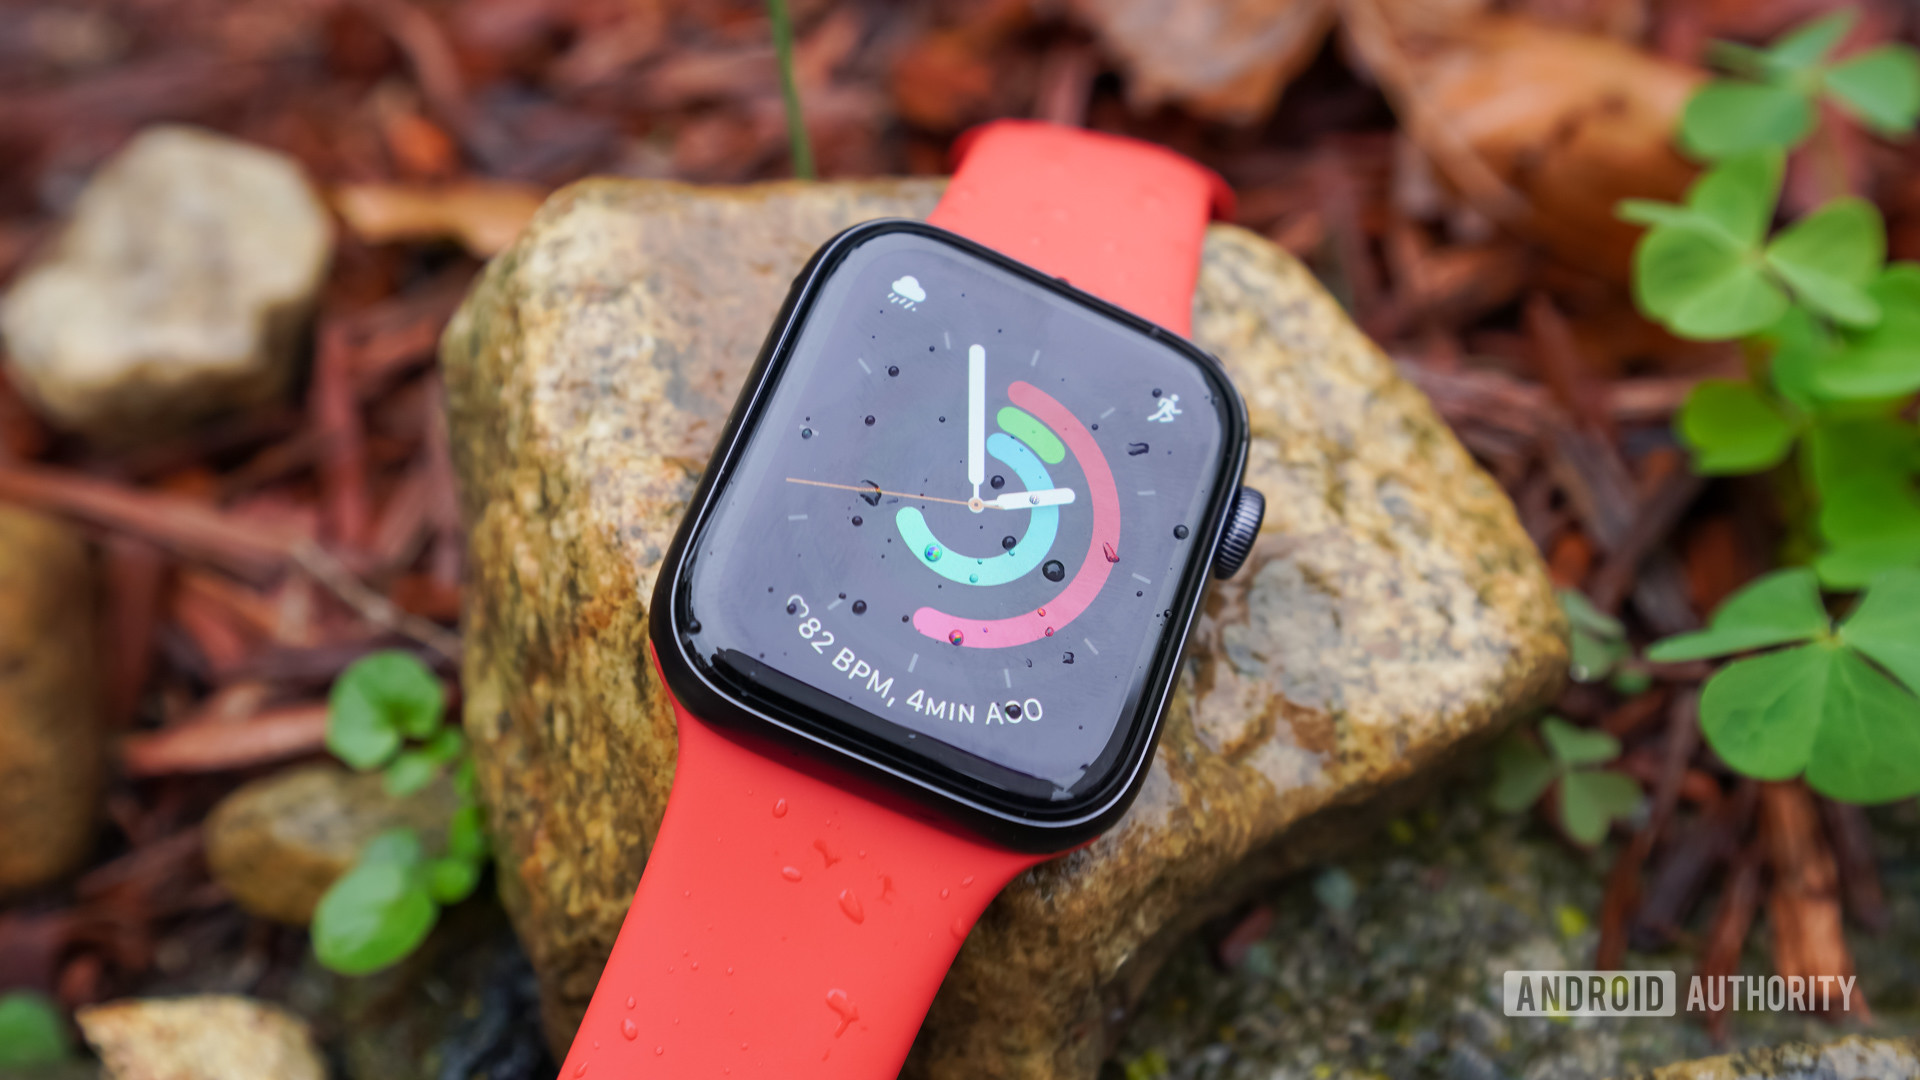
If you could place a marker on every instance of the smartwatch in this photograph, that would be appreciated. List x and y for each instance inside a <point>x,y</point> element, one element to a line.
<point>923,616</point>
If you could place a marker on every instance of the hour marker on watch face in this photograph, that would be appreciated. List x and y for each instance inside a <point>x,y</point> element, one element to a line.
<point>1144,494</point>
<point>915,659</point>
<point>1007,674</point>
<point>863,364</point>
<point>1035,362</point>
<point>796,517</point>
<point>1143,581</point>
<point>949,339</point>
<point>1090,646</point>
<point>1108,413</point>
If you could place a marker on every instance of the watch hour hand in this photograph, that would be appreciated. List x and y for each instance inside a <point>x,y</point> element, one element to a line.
<point>976,417</point>
<point>1028,500</point>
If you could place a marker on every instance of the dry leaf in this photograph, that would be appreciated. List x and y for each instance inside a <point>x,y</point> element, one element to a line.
<point>1542,129</point>
<point>483,215</point>
<point>1228,60</point>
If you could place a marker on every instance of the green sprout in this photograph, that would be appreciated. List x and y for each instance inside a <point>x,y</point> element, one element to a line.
<point>1591,798</point>
<point>32,1032</point>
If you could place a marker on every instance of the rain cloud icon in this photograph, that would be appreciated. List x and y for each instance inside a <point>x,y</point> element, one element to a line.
<point>907,292</point>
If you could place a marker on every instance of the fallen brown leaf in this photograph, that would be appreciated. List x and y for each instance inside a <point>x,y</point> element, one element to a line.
<point>483,215</point>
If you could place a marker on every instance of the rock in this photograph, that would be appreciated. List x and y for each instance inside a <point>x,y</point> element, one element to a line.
<point>1400,975</point>
<point>278,843</point>
<point>1392,612</point>
<point>178,288</point>
<point>1853,1058</point>
<point>50,705</point>
<point>210,1037</point>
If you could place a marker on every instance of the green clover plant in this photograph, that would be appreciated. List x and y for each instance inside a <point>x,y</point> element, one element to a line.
<point>31,1032</point>
<point>387,712</point>
<point>1839,705</point>
<point>1771,95</point>
<point>1591,798</point>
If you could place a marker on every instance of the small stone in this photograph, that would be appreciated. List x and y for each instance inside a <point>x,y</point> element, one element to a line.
<point>207,1037</point>
<point>1853,1058</point>
<point>179,288</point>
<point>278,843</point>
<point>50,705</point>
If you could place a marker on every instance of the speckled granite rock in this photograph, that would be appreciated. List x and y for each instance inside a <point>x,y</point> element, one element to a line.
<point>1849,1059</point>
<point>50,755</point>
<point>1392,611</point>
<point>280,842</point>
<point>208,1037</point>
<point>178,288</point>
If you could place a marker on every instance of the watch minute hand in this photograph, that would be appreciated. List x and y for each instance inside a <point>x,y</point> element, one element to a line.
<point>976,417</point>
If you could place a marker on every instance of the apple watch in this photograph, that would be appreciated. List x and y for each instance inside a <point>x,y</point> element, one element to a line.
<point>922,618</point>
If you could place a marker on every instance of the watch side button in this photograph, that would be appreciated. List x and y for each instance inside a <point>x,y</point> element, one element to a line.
<point>1243,527</point>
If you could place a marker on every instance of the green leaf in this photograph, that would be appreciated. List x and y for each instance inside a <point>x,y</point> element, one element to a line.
<point>446,744</point>
<point>1868,748</point>
<point>1810,43</point>
<point>1801,346</point>
<point>466,779</point>
<point>398,846</point>
<point>1591,799</point>
<point>1730,116</point>
<point>1843,449</point>
<point>31,1031</point>
<point>1700,288</point>
<point>467,832</point>
<point>1761,714</point>
<point>409,772</point>
<point>378,701</point>
<point>1781,607</point>
<point>1521,774</point>
<point>1880,86</point>
<point>1732,428</point>
<point>1739,195</point>
<point>1885,360</point>
<point>372,917</point>
<point>1650,212</point>
<point>1886,625</point>
<point>1853,564</point>
<point>452,879</point>
<point>1582,615</point>
<point>1598,641</point>
<point>1830,256</point>
<point>1572,746</point>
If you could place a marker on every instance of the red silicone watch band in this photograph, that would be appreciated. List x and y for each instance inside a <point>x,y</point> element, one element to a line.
<point>790,922</point>
<point>786,925</point>
<point>1119,218</point>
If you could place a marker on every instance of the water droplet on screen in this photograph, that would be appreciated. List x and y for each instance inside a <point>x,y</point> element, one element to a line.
<point>1135,449</point>
<point>956,637</point>
<point>793,608</point>
<point>843,596</point>
<point>1055,570</point>
<point>973,579</point>
<point>1106,548</point>
<point>1040,611</point>
<point>872,494</point>
<point>893,369</point>
<point>1007,542</point>
<point>791,873</point>
<point>630,1029</point>
<point>1067,659</point>
<point>693,626</point>
<point>932,553</point>
<point>1156,391</point>
<point>631,1003</point>
<point>859,607</point>
<point>1179,532</point>
<point>943,419</point>
<point>806,433</point>
<point>998,482</point>
<point>1049,631</point>
<point>850,905</point>
<point>869,421</point>
<point>858,520</point>
<point>841,1003</point>
<point>1013,711</point>
<point>581,1071</point>
<point>779,808</point>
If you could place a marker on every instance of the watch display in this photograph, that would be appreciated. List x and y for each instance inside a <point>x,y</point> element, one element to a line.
<point>965,518</point>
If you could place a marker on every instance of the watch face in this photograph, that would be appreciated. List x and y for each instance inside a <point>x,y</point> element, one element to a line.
<point>961,525</point>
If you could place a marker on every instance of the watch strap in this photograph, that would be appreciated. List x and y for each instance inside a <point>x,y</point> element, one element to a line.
<point>790,923</point>
<point>1116,217</point>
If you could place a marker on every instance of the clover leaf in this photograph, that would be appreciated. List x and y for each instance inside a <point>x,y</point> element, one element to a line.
<point>379,911</point>
<point>1770,100</point>
<point>1883,361</point>
<point>1732,427</point>
<point>377,703</point>
<point>31,1032</point>
<point>1839,706</point>
<point>1829,256</point>
<point>1590,798</point>
<point>1597,640</point>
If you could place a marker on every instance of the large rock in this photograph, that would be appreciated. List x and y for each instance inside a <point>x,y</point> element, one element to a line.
<point>280,842</point>
<point>1392,611</point>
<point>50,753</point>
<point>179,288</point>
<point>208,1037</point>
<point>1853,1058</point>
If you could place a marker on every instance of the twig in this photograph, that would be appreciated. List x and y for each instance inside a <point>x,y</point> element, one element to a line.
<point>370,605</point>
<point>275,735</point>
<point>1653,522</point>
